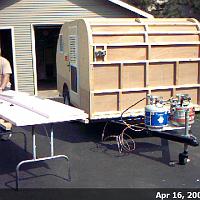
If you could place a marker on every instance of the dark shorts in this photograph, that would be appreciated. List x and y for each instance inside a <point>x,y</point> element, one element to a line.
<point>6,88</point>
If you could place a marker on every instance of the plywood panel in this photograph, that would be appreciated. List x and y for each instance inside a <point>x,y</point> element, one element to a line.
<point>173,38</point>
<point>193,92</point>
<point>117,28</point>
<point>106,77</point>
<point>188,73</point>
<point>172,51</point>
<point>130,98</point>
<point>161,74</point>
<point>133,76</point>
<point>110,39</point>
<point>126,53</point>
<point>105,102</point>
<point>172,28</point>
<point>85,100</point>
<point>166,94</point>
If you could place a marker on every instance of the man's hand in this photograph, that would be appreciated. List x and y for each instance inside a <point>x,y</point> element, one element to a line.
<point>4,81</point>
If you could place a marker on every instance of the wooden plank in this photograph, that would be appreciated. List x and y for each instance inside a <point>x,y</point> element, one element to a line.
<point>161,74</point>
<point>188,73</point>
<point>105,102</point>
<point>146,33</point>
<point>148,58</point>
<point>117,39</point>
<point>119,33</point>
<point>174,92</point>
<point>174,32</point>
<point>105,49</point>
<point>126,53</point>
<point>149,32</point>
<point>149,52</point>
<point>146,76</point>
<point>164,20</point>
<point>94,57</point>
<point>133,76</point>
<point>140,23</point>
<point>117,28</point>
<point>170,52</point>
<point>130,98</point>
<point>176,73</point>
<point>121,78</point>
<point>144,44</point>
<point>106,77</point>
<point>173,38</point>
<point>120,101</point>
<point>168,28</point>
<point>146,88</point>
<point>85,99</point>
<point>121,84</point>
<point>92,104</point>
<point>148,61</point>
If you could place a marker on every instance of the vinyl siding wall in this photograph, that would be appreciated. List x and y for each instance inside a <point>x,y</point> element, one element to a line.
<point>21,14</point>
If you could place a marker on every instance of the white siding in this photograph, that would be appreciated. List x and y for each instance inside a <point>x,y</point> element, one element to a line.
<point>23,13</point>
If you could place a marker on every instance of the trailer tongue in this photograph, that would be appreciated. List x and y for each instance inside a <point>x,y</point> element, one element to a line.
<point>159,121</point>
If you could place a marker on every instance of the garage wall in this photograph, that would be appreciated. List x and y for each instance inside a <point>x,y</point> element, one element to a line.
<point>22,13</point>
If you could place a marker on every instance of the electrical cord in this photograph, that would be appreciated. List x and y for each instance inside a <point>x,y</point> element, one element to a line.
<point>131,107</point>
<point>123,143</point>
<point>132,126</point>
<point>122,138</point>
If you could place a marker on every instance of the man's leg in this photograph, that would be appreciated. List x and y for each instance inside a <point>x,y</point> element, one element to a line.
<point>2,130</point>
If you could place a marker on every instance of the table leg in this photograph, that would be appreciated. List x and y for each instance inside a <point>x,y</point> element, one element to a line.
<point>35,159</point>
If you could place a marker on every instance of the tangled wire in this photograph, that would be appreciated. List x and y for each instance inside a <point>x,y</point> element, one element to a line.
<point>124,141</point>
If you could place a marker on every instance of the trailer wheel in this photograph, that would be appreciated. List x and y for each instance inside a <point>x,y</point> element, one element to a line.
<point>66,96</point>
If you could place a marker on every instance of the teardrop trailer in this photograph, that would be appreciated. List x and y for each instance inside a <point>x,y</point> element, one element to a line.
<point>142,74</point>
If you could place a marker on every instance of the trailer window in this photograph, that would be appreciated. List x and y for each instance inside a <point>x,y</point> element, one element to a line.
<point>74,78</point>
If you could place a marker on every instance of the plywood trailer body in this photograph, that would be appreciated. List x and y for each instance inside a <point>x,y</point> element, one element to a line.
<point>109,64</point>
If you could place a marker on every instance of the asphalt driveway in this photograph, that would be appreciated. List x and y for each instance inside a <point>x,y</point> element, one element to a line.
<point>96,164</point>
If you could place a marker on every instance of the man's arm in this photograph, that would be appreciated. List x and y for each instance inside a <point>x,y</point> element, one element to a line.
<point>5,80</point>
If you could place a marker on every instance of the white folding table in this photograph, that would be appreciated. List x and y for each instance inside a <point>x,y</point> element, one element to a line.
<point>20,109</point>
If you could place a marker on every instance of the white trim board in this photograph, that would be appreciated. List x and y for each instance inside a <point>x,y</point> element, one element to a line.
<point>132,8</point>
<point>31,110</point>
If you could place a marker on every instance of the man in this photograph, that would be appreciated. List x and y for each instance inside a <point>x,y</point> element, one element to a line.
<point>5,71</point>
